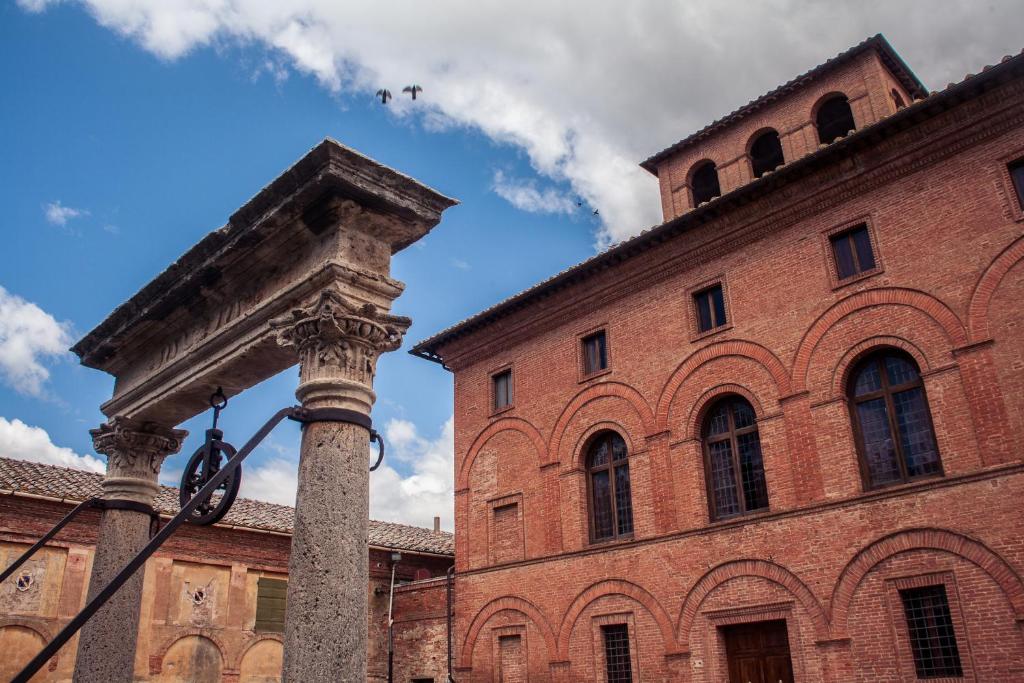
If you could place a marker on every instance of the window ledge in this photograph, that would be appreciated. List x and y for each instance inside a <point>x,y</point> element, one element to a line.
<point>594,375</point>
<point>503,409</point>
<point>712,332</point>
<point>846,282</point>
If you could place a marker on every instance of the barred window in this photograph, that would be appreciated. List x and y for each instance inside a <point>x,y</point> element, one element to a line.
<point>732,459</point>
<point>930,626</point>
<point>617,664</point>
<point>611,506</point>
<point>891,420</point>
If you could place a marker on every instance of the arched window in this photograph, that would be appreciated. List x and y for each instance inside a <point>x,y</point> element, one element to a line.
<point>891,421</point>
<point>897,99</point>
<point>704,183</point>
<point>611,508</point>
<point>766,153</point>
<point>835,119</point>
<point>732,459</point>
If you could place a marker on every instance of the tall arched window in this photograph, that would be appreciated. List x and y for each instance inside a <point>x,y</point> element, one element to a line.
<point>835,119</point>
<point>766,153</point>
<point>611,508</point>
<point>891,421</point>
<point>704,183</point>
<point>732,459</point>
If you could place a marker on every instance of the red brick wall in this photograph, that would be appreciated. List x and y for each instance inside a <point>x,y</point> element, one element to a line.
<point>948,237</point>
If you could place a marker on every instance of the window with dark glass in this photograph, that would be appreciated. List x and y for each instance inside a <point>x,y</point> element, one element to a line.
<point>704,183</point>
<point>595,353</point>
<point>766,153</point>
<point>1017,175</point>
<point>930,627</point>
<point>710,307</point>
<point>617,664</point>
<point>270,604</point>
<point>611,507</point>
<point>897,99</point>
<point>733,463</point>
<point>835,119</point>
<point>891,420</point>
<point>502,383</point>
<point>853,252</point>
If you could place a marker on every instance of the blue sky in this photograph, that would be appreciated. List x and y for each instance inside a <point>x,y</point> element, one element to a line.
<point>128,134</point>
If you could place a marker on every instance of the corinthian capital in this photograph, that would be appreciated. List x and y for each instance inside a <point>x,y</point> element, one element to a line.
<point>135,450</point>
<point>338,343</point>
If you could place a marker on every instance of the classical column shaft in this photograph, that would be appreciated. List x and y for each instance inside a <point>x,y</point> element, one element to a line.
<point>106,647</point>
<point>328,572</point>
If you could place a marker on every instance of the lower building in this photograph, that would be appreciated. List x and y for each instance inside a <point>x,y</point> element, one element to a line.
<point>213,597</point>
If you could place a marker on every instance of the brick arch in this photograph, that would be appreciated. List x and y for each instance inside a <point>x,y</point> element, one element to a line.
<point>695,420</point>
<point>769,571</point>
<point>988,283</point>
<point>505,424</point>
<point>735,347</point>
<point>592,393</point>
<point>616,587</point>
<point>853,355</point>
<point>157,663</point>
<point>40,630</point>
<point>923,539</point>
<point>514,604</point>
<point>892,296</point>
<point>251,642</point>
<point>579,451</point>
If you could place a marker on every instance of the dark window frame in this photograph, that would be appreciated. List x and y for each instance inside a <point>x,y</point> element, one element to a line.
<point>511,394</point>
<point>618,656</point>
<point>766,163</point>
<point>732,436</point>
<point>707,290</point>
<point>587,372</point>
<point>927,609</point>
<point>611,466</point>
<point>887,392</point>
<point>847,235</point>
<point>1015,170</point>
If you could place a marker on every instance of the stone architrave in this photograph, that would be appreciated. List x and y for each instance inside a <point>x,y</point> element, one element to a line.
<point>338,342</point>
<point>135,451</point>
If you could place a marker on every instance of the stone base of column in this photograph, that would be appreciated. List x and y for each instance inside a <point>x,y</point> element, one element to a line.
<point>106,646</point>
<point>326,617</point>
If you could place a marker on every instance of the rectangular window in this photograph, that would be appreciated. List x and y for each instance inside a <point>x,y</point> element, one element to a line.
<point>595,353</point>
<point>710,305</point>
<point>1017,175</point>
<point>617,664</point>
<point>270,601</point>
<point>932,640</point>
<point>853,252</point>
<point>502,389</point>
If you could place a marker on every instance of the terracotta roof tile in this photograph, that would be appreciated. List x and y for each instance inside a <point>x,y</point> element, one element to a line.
<point>77,485</point>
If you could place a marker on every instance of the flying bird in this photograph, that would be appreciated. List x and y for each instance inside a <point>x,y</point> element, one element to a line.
<point>412,89</point>
<point>384,95</point>
<point>596,212</point>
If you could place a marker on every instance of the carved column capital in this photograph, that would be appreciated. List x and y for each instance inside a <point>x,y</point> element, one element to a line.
<point>135,450</point>
<point>338,343</point>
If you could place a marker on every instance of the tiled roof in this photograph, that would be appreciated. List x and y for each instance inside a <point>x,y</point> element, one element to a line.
<point>876,42</point>
<point>76,485</point>
<point>970,86</point>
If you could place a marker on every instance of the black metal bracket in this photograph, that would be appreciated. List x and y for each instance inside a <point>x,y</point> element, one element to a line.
<point>307,415</point>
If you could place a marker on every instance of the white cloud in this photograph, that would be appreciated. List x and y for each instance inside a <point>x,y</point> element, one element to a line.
<point>58,214</point>
<point>23,442</point>
<point>28,336</point>
<point>415,499</point>
<point>461,264</point>
<point>524,195</point>
<point>586,90</point>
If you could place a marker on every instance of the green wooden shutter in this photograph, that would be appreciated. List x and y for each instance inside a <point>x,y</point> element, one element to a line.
<point>270,601</point>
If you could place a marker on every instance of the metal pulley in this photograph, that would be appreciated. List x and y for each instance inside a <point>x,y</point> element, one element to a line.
<point>204,464</point>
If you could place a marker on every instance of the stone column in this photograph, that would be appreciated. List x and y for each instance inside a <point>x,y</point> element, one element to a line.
<point>134,450</point>
<point>338,342</point>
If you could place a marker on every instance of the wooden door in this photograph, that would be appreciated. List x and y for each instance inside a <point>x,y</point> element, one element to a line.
<point>758,653</point>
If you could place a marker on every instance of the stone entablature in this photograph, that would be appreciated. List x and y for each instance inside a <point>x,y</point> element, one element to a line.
<point>331,221</point>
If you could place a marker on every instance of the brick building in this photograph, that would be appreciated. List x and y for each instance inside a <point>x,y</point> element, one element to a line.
<point>213,597</point>
<point>778,436</point>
